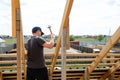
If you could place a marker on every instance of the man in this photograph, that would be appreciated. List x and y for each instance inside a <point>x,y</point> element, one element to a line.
<point>36,69</point>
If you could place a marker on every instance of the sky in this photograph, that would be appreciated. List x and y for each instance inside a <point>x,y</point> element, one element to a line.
<point>87,17</point>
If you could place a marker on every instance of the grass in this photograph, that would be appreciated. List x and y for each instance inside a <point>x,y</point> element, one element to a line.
<point>10,41</point>
<point>85,39</point>
<point>89,40</point>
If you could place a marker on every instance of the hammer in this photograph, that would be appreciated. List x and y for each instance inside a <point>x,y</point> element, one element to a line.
<point>49,27</point>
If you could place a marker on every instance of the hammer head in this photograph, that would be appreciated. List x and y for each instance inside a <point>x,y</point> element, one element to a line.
<point>49,26</point>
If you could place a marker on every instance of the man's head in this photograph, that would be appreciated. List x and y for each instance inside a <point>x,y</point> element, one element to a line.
<point>37,30</point>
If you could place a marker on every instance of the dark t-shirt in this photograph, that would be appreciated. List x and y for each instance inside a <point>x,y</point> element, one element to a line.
<point>35,57</point>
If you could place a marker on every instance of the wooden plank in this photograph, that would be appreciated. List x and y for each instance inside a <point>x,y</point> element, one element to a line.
<point>114,39</point>
<point>63,53</point>
<point>63,24</point>
<point>110,71</point>
<point>8,55</point>
<point>8,62</point>
<point>8,67</point>
<point>1,76</point>
<point>68,55</point>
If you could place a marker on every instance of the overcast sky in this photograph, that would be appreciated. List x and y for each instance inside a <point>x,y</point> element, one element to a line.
<point>88,17</point>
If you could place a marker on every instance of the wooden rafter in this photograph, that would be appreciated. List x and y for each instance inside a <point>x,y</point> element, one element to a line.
<point>110,71</point>
<point>114,39</point>
<point>63,24</point>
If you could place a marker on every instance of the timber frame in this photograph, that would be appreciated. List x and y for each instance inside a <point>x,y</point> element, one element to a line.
<point>90,63</point>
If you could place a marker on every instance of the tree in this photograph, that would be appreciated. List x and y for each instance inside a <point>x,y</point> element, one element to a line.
<point>72,38</point>
<point>100,38</point>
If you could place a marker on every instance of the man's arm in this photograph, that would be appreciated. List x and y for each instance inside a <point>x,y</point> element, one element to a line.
<point>47,45</point>
<point>50,44</point>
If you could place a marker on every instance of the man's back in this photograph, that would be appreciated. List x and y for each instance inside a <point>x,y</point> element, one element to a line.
<point>35,53</point>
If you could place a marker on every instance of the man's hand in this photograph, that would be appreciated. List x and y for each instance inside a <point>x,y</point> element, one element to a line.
<point>52,36</point>
<point>52,39</point>
<point>51,43</point>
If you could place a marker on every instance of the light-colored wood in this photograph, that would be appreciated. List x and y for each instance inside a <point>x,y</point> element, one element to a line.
<point>67,36</point>
<point>63,53</point>
<point>13,18</point>
<point>19,45</point>
<point>110,71</point>
<point>15,7</point>
<point>23,54</point>
<point>68,54</point>
<point>63,24</point>
<point>8,62</point>
<point>72,58</point>
<point>16,32</point>
<point>113,40</point>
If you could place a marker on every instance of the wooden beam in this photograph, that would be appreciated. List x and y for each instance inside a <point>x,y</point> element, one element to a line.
<point>15,5</point>
<point>19,45</point>
<point>113,40</point>
<point>67,36</point>
<point>63,53</point>
<point>15,8</point>
<point>111,71</point>
<point>63,24</point>
<point>1,76</point>
<point>16,31</point>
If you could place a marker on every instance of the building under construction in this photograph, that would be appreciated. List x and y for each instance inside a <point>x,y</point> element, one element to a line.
<point>62,62</point>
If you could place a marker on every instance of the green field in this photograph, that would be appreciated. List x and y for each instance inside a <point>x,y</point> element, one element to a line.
<point>12,40</point>
<point>88,40</point>
<point>81,39</point>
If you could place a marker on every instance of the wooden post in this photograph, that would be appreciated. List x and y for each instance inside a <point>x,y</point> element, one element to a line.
<point>19,45</point>
<point>105,50</point>
<point>15,8</point>
<point>1,76</point>
<point>63,53</point>
<point>67,36</point>
<point>86,76</point>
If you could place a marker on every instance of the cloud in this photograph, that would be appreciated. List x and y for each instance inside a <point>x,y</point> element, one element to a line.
<point>87,16</point>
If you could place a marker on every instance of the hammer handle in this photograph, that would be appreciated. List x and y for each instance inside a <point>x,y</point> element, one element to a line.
<point>50,30</point>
